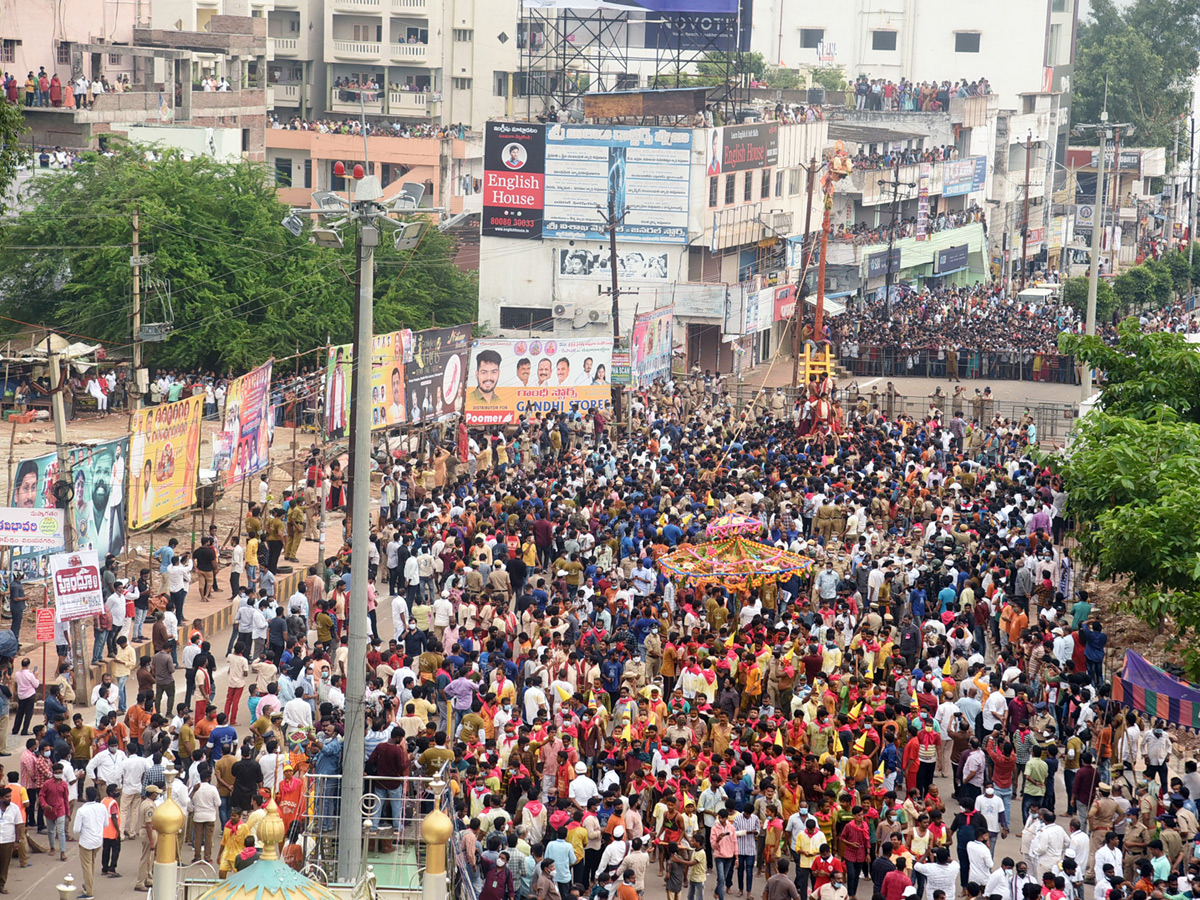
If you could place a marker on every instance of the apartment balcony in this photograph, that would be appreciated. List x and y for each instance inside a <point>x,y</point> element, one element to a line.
<point>408,103</point>
<point>286,95</point>
<point>359,7</point>
<point>412,54</point>
<point>287,4</point>
<point>358,50</point>
<point>283,48</point>
<point>352,107</point>
<point>411,7</point>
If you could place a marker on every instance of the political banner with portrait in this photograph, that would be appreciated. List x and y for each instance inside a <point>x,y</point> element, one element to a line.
<point>435,373</point>
<point>247,412</point>
<point>40,529</point>
<point>33,489</point>
<point>387,384</point>
<point>507,379</point>
<point>164,460</point>
<point>651,348</point>
<point>98,509</point>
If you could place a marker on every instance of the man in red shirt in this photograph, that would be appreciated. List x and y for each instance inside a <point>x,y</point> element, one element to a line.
<point>824,866</point>
<point>896,884</point>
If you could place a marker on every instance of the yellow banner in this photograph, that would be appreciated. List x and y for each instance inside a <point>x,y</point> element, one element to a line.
<point>164,459</point>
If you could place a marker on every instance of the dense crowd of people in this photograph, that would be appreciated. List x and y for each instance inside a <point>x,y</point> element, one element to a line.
<point>871,726</point>
<point>912,156</point>
<point>883,94</point>
<point>862,233</point>
<point>355,127</point>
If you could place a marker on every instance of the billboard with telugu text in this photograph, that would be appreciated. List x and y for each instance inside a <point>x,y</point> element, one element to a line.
<point>507,379</point>
<point>164,459</point>
<point>964,176</point>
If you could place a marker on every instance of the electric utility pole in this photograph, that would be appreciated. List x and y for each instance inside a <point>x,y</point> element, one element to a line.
<point>1025,214</point>
<point>895,184</point>
<point>809,244</point>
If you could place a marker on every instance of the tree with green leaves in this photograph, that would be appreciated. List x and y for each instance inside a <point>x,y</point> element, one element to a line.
<point>1143,371</point>
<point>832,78</point>
<point>242,289</point>
<point>1140,60</point>
<point>1133,486</point>
<point>1075,291</point>
<point>12,127</point>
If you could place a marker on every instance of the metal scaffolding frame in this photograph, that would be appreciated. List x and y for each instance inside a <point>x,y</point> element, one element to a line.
<point>568,53</point>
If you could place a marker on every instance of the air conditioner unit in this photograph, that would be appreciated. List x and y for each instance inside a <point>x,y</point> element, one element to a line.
<point>598,316</point>
<point>579,318</point>
<point>564,310</point>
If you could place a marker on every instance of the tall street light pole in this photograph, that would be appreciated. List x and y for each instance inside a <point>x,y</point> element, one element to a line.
<point>367,213</point>
<point>895,184</point>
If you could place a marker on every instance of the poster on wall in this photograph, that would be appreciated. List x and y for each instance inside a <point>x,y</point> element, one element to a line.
<point>387,384</point>
<point>507,379</point>
<point>78,591</point>
<point>645,170</point>
<point>651,348</point>
<point>964,176</point>
<point>514,169</point>
<point>632,265</point>
<point>36,529</point>
<point>435,373</point>
<point>164,460</point>
<point>247,410</point>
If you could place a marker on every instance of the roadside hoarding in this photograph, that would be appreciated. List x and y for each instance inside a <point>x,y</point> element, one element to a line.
<point>507,379</point>
<point>40,529</point>
<point>247,412</point>
<point>514,155</point>
<point>436,372</point>
<point>964,176</point>
<point>388,396</point>
<point>164,460</point>
<point>877,263</point>
<point>952,259</point>
<point>75,578</point>
<point>651,351</point>
<point>646,171</point>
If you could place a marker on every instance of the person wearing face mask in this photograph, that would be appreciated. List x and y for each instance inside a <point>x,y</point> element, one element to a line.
<point>834,889</point>
<point>498,883</point>
<point>806,848</point>
<point>546,886</point>
<point>54,801</point>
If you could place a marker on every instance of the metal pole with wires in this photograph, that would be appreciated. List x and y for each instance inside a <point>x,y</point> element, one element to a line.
<point>367,213</point>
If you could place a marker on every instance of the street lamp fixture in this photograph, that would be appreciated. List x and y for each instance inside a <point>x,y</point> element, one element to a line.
<point>293,224</point>
<point>326,237</point>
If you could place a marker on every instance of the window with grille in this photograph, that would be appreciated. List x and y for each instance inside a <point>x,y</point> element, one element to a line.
<point>8,51</point>
<point>748,187</point>
<point>464,35</point>
<point>714,187</point>
<point>764,188</point>
<point>114,59</point>
<point>793,182</point>
<point>730,187</point>
<point>462,84</point>
<point>64,53</point>
<point>883,40</point>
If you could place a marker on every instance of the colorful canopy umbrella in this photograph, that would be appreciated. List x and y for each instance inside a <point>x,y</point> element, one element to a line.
<point>728,526</point>
<point>734,562</point>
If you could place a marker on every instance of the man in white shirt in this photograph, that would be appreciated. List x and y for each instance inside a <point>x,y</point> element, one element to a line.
<point>443,610</point>
<point>979,855</point>
<point>991,808</point>
<point>582,788</point>
<point>132,771</point>
<point>10,819</point>
<point>106,766</point>
<point>297,713</point>
<point>206,804</point>
<point>88,827</point>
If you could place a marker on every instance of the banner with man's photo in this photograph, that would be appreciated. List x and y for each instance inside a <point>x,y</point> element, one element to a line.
<point>164,459</point>
<point>632,265</point>
<point>247,414</point>
<point>97,507</point>
<point>507,379</point>
<point>435,372</point>
<point>387,384</point>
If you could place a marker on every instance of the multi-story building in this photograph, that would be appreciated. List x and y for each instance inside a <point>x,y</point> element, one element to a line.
<point>440,61</point>
<point>1020,47</point>
<point>157,58</point>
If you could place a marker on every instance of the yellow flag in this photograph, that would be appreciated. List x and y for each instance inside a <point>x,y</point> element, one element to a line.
<point>946,667</point>
<point>787,657</point>
<point>729,641</point>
